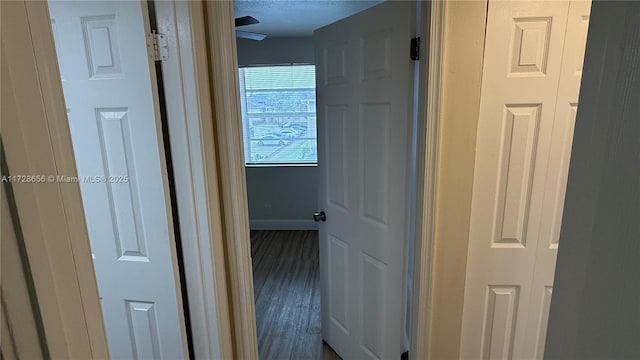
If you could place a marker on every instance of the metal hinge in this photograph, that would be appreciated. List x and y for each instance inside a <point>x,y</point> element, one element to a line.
<point>158,47</point>
<point>415,48</point>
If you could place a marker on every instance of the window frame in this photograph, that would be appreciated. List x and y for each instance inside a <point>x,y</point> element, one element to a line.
<point>244,118</point>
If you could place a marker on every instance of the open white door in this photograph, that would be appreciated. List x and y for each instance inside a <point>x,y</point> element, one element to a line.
<point>364,81</point>
<point>112,103</point>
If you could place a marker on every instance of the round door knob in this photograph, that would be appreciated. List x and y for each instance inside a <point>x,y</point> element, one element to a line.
<point>319,216</point>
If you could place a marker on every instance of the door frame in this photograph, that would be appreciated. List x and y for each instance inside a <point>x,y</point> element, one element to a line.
<point>430,88</point>
<point>224,81</point>
<point>64,276</point>
<point>187,102</point>
<point>50,214</point>
<point>225,250</point>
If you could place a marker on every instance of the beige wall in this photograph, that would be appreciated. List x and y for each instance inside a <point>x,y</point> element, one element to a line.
<point>462,77</point>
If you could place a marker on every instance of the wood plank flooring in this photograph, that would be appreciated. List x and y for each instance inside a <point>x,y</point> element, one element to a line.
<point>286,282</point>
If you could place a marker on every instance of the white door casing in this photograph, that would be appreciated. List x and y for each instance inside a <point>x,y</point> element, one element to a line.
<point>364,80</point>
<point>531,77</point>
<point>112,104</point>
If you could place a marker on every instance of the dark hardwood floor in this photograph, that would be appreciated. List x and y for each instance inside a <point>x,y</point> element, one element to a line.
<point>286,282</point>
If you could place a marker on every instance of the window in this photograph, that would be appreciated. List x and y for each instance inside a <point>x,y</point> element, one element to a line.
<point>279,114</point>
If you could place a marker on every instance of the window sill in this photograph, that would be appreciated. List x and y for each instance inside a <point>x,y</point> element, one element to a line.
<point>280,165</point>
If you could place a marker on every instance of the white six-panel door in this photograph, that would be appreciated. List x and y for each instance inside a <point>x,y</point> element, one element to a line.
<point>364,83</point>
<point>531,78</point>
<point>112,109</point>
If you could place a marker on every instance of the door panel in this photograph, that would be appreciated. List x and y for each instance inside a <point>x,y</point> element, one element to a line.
<point>112,108</point>
<point>530,87</point>
<point>364,82</point>
<point>566,108</point>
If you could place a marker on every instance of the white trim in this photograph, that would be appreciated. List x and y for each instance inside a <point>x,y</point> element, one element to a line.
<point>269,224</point>
<point>430,91</point>
<point>37,140</point>
<point>227,124</point>
<point>165,185</point>
<point>187,103</point>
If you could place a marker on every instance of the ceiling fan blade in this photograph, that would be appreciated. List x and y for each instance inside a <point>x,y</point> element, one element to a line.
<point>250,35</point>
<point>246,20</point>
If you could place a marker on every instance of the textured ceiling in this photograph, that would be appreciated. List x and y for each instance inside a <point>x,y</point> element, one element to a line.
<point>280,18</point>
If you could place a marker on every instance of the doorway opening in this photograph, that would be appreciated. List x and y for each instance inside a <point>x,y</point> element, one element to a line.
<point>280,143</point>
<point>329,222</point>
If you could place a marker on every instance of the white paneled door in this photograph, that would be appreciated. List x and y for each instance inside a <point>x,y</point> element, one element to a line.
<point>531,78</point>
<point>364,78</point>
<point>112,103</point>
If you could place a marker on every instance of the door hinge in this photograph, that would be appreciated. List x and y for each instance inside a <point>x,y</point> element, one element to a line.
<point>158,47</point>
<point>415,48</point>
